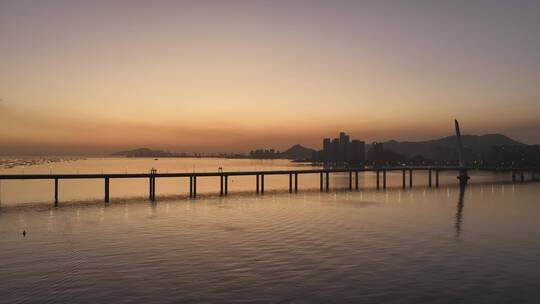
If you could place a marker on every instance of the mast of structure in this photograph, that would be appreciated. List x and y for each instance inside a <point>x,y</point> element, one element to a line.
<point>463,176</point>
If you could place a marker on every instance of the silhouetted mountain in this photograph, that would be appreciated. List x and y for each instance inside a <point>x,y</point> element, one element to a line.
<point>144,152</point>
<point>445,148</point>
<point>298,152</point>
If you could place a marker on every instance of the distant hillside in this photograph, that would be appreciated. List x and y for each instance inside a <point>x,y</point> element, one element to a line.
<point>445,148</point>
<point>144,152</point>
<point>298,152</point>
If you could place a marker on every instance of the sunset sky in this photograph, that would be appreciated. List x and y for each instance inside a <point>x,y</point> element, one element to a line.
<point>207,76</point>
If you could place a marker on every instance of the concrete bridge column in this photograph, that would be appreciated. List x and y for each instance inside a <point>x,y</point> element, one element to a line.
<point>321,181</point>
<point>404,183</point>
<point>327,181</point>
<point>152,194</point>
<point>350,180</point>
<point>56,192</point>
<point>429,177</point>
<point>257,183</point>
<point>410,178</point>
<point>262,183</point>
<point>356,180</point>
<point>190,186</point>
<point>221,185</point>
<point>296,182</point>
<point>194,186</point>
<point>150,186</point>
<point>290,182</point>
<point>437,178</point>
<point>378,186</point>
<point>384,179</point>
<point>106,189</point>
<point>226,184</point>
<point>154,188</point>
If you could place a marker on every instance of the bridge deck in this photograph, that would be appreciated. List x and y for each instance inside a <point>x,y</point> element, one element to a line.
<point>323,183</point>
<point>225,173</point>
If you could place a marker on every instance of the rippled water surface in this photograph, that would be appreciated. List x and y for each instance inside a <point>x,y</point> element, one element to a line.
<point>419,245</point>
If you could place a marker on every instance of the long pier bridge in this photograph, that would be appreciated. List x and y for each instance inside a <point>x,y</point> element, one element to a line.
<point>324,177</point>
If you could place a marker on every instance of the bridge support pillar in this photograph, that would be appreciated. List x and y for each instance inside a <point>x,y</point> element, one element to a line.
<point>262,183</point>
<point>410,178</point>
<point>384,179</point>
<point>350,180</point>
<point>296,182</point>
<point>191,186</point>
<point>463,177</point>
<point>106,189</point>
<point>150,188</point>
<point>429,178</point>
<point>378,186</point>
<point>290,182</point>
<point>257,185</point>
<point>56,192</point>
<point>221,185</point>
<point>195,186</point>
<point>154,188</point>
<point>321,181</point>
<point>356,180</point>
<point>437,178</point>
<point>327,181</point>
<point>403,180</point>
<point>226,184</point>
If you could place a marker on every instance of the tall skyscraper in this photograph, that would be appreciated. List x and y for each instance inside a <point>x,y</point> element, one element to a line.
<point>343,151</point>
<point>357,152</point>
<point>377,153</point>
<point>343,146</point>
<point>335,150</point>
<point>327,150</point>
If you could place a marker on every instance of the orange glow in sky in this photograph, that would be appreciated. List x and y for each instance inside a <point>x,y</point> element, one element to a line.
<point>231,76</point>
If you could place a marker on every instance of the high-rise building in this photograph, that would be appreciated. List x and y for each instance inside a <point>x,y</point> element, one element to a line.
<point>362,152</point>
<point>377,151</point>
<point>343,147</point>
<point>343,151</point>
<point>357,152</point>
<point>327,150</point>
<point>335,150</point>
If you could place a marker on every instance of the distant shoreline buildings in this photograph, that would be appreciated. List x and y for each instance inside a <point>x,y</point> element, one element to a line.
<point>342,151</point>
<point>490,149</point>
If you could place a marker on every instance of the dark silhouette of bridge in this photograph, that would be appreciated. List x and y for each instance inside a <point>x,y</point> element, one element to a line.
<point>324,176</point>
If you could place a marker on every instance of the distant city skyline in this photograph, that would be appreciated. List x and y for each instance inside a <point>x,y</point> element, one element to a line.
<point>342,150</point>
<point>229,76</point>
